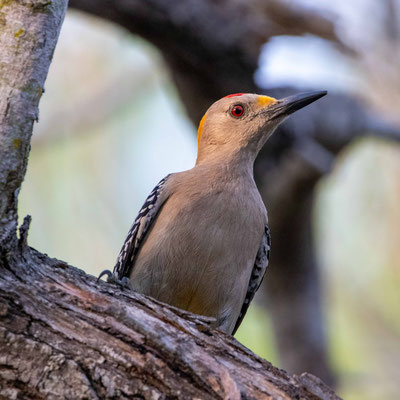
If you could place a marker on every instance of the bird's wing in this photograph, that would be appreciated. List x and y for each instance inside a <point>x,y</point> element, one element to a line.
<point>257,275</point>
<point>136,234</point>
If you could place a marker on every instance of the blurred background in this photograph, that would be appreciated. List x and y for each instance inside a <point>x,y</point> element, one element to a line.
<point>119,113</point>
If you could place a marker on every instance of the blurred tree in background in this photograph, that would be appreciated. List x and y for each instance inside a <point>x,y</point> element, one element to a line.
<point>114,121</point>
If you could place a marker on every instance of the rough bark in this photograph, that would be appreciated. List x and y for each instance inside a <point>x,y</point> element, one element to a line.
<point>65,336</point>
<point>212,49</point>
<point>28,35</point>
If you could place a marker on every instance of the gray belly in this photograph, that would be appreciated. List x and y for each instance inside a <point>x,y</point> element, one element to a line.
<point>200,258</point>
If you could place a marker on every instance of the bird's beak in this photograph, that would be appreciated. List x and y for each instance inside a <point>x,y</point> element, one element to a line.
<point>289,105</point>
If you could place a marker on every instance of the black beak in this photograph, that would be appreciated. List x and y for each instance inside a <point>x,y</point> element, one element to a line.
<point>289,105</point>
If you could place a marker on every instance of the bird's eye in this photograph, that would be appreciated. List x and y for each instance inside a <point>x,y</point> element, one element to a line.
<point>237,111</point>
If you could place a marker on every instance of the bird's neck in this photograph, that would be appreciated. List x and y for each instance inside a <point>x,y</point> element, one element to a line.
<point>237,161</point>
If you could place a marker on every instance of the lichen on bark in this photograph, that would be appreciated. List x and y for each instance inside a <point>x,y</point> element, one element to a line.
<point>28,36</point>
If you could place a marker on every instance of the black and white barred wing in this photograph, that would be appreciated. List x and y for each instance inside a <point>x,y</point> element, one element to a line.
<point>257,275</point>
<point>138,231</point>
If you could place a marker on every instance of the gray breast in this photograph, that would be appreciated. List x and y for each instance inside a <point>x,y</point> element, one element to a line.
<point>200,251</point>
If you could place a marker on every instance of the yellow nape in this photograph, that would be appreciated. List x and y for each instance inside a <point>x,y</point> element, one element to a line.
<point>264,101</point>
<point>200,130</point>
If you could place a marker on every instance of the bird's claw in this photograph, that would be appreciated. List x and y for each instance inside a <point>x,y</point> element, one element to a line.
<point>107,273</point>
<point>123,283</point>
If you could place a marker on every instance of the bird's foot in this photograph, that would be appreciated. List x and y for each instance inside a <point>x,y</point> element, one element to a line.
<point>123,283</point>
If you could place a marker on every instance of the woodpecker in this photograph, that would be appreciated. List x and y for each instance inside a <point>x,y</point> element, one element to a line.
<point>201,241</point>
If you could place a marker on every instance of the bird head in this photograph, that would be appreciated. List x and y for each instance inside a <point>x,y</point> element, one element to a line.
<point>241,123</point>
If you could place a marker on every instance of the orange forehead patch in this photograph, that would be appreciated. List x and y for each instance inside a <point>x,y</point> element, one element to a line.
<point>264,101</point>
<point>200,130</point>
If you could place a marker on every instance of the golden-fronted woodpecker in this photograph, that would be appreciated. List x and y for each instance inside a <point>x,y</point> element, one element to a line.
<point>201,240</point>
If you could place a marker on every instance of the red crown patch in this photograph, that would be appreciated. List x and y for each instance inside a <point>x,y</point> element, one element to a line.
<point>233,95</point>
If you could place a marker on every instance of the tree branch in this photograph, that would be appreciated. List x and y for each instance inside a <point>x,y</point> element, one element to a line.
<point>65,335</point>
<point>28,36</point>
<point>211,47</point>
